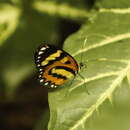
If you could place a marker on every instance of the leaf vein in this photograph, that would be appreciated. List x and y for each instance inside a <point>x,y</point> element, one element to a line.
<point>116,11</point>
<point>104,42</point>
<point>97,77</point>
<point>102,98</point>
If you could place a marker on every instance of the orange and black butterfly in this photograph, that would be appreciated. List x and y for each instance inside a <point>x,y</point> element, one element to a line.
<point>55,66</point>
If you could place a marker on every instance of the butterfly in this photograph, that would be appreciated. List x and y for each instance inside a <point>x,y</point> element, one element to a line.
<point>55,66</point>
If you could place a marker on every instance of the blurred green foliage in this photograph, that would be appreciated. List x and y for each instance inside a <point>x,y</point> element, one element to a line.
<point>17,52</point>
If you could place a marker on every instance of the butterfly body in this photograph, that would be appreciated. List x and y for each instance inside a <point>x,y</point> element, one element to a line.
<point>55,66</point>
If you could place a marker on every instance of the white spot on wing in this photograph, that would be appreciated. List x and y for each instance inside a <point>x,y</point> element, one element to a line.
<point>52,85</point>
<point>38,60</point>
<point>39,76</point>
<point>40,69</point>
<point>43,48</point>
<point>46,83</point>
<point>41,72</point>
<point>47,46</point>
<point>38,57</point>
<point>38,65</point>
<point>55,86</point>
<point>40,52</point>
<point>41,80</point>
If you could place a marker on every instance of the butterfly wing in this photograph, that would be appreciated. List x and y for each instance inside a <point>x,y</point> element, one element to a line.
<point>55,65</point>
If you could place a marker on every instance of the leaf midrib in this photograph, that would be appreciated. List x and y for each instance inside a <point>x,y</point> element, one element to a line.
<point>107,94</point>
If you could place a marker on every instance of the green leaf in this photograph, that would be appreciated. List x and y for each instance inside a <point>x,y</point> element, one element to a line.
<point>9,18</point>
<point>107,55</point>
<point>63,10</point>
<point>113,116</point>
<point>128,76</point>
<point>113,3</point>
<point>17,55</point>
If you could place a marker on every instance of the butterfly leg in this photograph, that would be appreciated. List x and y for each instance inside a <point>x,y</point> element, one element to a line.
<point>84,82</point>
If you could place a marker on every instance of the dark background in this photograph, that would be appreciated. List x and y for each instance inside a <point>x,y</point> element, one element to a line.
<point>23,107</point>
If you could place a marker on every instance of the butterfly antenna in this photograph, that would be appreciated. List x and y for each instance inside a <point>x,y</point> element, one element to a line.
<point>69,84</point>
<point>83,46</point>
